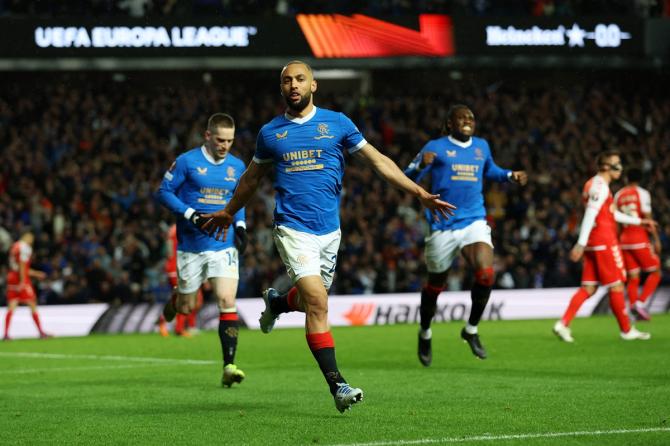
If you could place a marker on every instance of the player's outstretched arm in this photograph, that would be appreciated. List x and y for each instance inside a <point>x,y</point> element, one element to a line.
<point>218,222</point>
<point>388,170</point>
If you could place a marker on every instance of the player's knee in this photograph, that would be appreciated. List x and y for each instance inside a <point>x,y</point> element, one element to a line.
<point>590,289</point>
<point>226,303</point>
<point>318,308</point>
<point>485,276</point>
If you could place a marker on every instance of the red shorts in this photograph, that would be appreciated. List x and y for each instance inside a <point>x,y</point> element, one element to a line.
<point>603,266</point>
<point>642,258</point>
<point>25,295</point>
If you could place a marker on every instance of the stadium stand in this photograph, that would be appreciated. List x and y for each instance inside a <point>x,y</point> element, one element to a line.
<point>144,8</point>
<point>83,154</point>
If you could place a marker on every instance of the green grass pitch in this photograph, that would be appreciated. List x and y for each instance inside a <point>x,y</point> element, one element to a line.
<point>533,389</point>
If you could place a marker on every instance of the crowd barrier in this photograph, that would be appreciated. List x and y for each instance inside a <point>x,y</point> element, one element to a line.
<point>354,310</point>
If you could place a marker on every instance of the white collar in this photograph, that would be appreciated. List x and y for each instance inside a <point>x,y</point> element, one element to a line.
<point>465,144</point>
<point>302,120</point>
<point>209,158</point>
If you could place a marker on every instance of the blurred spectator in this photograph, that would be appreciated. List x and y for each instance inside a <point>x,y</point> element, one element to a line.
<point>82,155</point>
<point>140,8</point>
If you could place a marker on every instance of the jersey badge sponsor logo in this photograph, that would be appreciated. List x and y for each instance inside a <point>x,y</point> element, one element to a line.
<point>230,172</point>
<point>282,135</point>
<point>451,153</point>
<point>478,154</point>
<point>202,170</point>
<point>323,131</point>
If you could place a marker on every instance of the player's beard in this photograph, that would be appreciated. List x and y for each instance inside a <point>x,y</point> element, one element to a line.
<point>301,104</point>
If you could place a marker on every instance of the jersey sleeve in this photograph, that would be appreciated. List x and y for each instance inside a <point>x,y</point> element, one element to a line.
<point>25,251</point>
<point>494,172</point>
<point>645,201</point>
<point>172,180</point>
<point>262,155</point>
<point>413,171</point>
<point>352,138</point>
<point>597,195</point>
<point>239,219</point>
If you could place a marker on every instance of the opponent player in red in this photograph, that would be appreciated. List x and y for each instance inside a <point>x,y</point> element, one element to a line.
<point>638,253</point>
<point>183,322</point>
<point>19,288</point>
<point>598,245</point>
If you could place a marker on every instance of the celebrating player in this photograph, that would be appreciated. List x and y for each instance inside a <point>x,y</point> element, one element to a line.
<point>458,163</point>
<point>19,288</point>
<point>638,253</point>
<point>598,245</point>
<point>306,147</point>
<point>202,180</point>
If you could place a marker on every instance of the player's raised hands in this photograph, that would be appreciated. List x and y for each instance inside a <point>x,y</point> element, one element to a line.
<point>520,177</point>
<point>436,206</point>
<point>217,224</point>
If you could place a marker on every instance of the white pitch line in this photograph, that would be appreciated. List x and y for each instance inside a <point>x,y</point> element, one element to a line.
<point>72,369</point>
<point>507,437</point>
<point>108,358</point>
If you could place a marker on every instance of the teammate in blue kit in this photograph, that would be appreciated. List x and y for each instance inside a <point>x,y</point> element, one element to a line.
<point>458,164</point>
<point>202,180</point>
<point>306,149</point>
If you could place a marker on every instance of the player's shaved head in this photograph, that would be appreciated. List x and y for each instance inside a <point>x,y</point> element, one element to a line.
<point>223,120</point>
<point>296,62</point>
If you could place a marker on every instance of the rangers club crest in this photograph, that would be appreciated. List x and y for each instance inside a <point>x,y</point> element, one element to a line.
<point>479,155</point>
<point>230,174</point>
<point>323,130</point>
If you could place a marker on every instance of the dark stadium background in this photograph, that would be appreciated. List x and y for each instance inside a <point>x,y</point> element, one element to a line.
<point>85,137</point>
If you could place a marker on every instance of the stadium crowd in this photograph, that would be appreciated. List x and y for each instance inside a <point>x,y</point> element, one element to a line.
<point>83,156</point>
<point>157,8</point>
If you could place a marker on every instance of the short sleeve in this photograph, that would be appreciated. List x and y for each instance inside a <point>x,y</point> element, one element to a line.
<point>597,194</point>
<point>645,201</point>
<point>262,155</point>
<point>352,138</point>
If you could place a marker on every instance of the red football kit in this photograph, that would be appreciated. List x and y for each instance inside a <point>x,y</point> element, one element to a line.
<point>634,240</point>
<point>20,252</point>
<point>603,262</point>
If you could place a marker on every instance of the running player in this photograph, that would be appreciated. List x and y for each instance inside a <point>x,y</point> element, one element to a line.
<point>305,147</point>
<point>458,163</point>
<point>202,180</point>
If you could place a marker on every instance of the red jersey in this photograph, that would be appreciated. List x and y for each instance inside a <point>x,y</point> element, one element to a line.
<point>171,262</point>
<point>598,197</point>
<point>634,201</point>
<point>20,252</point>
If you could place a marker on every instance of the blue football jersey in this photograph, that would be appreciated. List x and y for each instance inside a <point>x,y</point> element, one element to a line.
<point>308,157</point>
<point>196,181</point>
<point>458,174</point>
